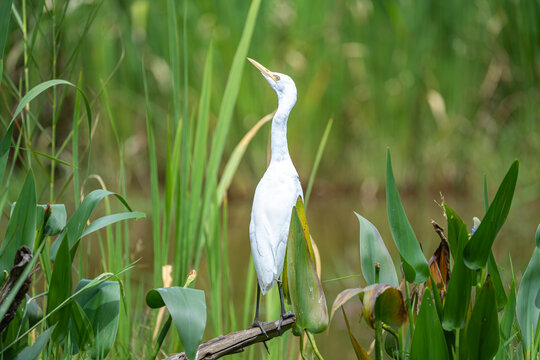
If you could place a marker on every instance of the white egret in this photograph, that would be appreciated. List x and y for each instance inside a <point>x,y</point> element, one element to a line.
<point>275,196</point>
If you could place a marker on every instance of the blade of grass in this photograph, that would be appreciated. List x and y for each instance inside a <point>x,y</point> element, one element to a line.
<point>318,157</point>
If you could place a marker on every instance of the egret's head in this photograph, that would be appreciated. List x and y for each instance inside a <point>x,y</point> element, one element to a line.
<point>282,84</point>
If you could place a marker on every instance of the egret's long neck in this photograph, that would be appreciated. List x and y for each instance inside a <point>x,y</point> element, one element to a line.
<point>278,145</point>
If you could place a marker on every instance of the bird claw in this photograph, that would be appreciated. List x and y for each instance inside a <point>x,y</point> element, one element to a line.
<point>258,323</point>
<point>279,325</point>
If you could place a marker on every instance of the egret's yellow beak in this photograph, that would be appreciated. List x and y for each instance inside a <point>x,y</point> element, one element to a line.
<point>264,70</point>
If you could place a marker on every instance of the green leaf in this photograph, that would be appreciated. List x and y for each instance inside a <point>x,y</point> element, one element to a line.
<point>38,89</point>
<point>318,157</point>
<point>56,222</point>
<point>111,219</point>
<point>526,311</point>
<point>537,237</point>
<point>415,266</point>
<point>373,250</point>
<point>509,314</point>
<point>60,288</point>
<point>82,335</point>
<point>33,310</point>
<point>77,223</point>
<point>361,354</point>
<point>188,311</point>
<point>428,340</point>
<point>33,352</point>
<point>4,145</point>
<point>21,229</point>
<point>493,271</point>
<point>102,307</point>
<point>307,295</point>
<point>5,15</point>
<point>343,297</point>
<point>477,251</point>
<point>385,303</point>
<point>459,289</point>
<point>483,327</point>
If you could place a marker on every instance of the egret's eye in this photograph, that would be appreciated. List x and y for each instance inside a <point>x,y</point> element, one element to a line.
<point>277,77</point>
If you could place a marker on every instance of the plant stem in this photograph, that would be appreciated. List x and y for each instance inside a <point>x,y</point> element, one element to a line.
<point>410,310</point>
<point>378,340</point>
<point>314,345</point>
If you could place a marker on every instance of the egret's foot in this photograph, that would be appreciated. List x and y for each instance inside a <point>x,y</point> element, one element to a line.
<point>258,323</point>
<point>281,318</point>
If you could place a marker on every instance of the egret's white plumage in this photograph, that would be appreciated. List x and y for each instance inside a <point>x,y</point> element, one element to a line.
<point>277,191</point>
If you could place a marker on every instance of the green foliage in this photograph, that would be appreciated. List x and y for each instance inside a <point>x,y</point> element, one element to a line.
<point>483,327</point>
<point>527,312</point>
<point>307,295</point>
<point>373,251</point>
<point>415,266</point>
<point>460,285</point>
<point>188,311</point>
<point>428,341</point>
<point>101,305</point>
<point>22,224</point>
<point>477,251</point>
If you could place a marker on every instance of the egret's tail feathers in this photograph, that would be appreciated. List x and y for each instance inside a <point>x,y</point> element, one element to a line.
<point>266,286</point>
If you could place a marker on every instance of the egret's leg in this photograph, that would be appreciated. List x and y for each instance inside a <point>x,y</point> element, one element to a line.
<point>282,315</point>
<point>256,321</point>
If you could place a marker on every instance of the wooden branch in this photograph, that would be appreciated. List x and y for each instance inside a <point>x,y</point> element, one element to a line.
<point>22,257</point>
<point>236,342</point>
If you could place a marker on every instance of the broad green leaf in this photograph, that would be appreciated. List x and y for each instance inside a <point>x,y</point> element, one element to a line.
<point>415,266</point>
<point>343,297</point>
<point>56,222</point>
<point>458,294</point>
<point>82,335</point>
<point>77,223</point>
<point>526,311</point>
<point>111,219</point>
<point>102,307</point>
<point>21,229</point>
<point>188,311</point>
<point>373,250</point>
<point>493,271</point>
<point>307,296</point>
<point>483,326</point>
<point>33,352</point>
<point>33,310</point>
<point>385,303</point>
<point>60,287</point>
<point>477,250</point>
<point>428,340</point>
<point>361,354</point>
<point>507,323</point>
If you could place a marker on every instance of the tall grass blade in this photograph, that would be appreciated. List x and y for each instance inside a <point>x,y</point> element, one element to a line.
<point>5,15</point>
<point>318,157</point>
<point>225,113</point>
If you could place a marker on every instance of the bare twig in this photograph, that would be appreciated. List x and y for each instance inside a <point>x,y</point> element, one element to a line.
<point>236,342</point>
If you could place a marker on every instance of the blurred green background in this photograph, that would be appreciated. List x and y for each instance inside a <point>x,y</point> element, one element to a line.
<point>452,87</point>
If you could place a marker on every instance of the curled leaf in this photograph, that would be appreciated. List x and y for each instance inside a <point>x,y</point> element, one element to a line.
<point>385,303</point>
